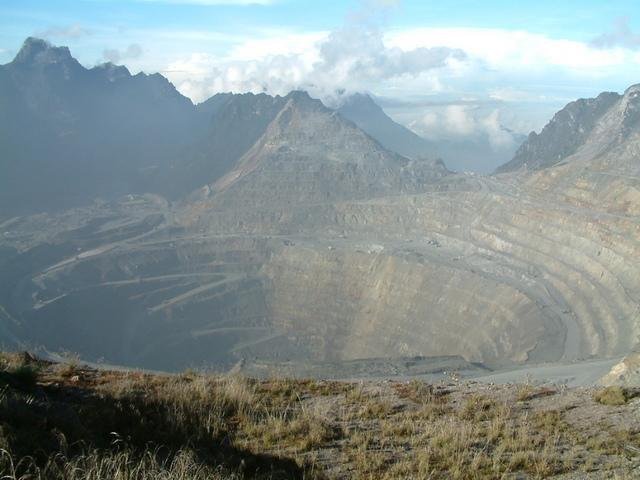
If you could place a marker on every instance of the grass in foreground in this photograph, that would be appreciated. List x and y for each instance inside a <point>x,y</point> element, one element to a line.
<point>63,423</point>
<point>613,396</point>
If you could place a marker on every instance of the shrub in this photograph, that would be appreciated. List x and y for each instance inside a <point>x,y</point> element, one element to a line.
<point>25,375</point>
<point>612,396</point>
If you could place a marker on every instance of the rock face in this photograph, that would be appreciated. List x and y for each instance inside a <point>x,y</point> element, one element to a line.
<point>603,173</point>
<point>310,154</point>
<point>61,122</point>
<point>228,126</point>
<point>563,135</point>
<point>626,373</point>
<point>307,241</point>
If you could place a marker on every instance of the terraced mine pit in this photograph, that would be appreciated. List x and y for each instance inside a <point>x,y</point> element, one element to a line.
<point>487,273</point>
<point>279,235</point>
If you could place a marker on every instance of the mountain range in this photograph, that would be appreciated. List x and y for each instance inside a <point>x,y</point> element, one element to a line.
<point>124,133</point>
<point>473,153</point>
<point>273,231</point>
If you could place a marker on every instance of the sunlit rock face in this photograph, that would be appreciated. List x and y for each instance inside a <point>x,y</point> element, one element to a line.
<point>626,373</point>
<point>563,135</point>
<point>300,238</point>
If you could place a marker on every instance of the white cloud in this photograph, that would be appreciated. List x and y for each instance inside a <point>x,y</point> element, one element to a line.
<point>511,49</point>
<point>358,53</point>
<point>68,32</point>
<point>272,43</point>
<point>455,122</point>
<point>621,36</point>
<point>498,136</point>
<point>509,94</point>
<point>113,55</point>
<point>361,56</point>
<point>458,121</point>
<point>352,57</point>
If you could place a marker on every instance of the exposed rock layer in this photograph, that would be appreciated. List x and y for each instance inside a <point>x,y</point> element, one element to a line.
<point>310,241</point>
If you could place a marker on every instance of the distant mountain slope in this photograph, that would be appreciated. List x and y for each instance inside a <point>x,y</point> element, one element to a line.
<point>69,134</point>
<point>229,125</point>
<point>588,154</point>
<point>567,130</point>
<point>476,153</point>
<point>603,170</point>
<point>309,153</point>
<point>366,114</point>
<point>469,153</point>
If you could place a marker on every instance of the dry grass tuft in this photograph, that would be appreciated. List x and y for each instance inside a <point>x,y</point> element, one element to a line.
<point>132,425</point>
<point>477,408</point>
<point>613,396</point>
<point>422,393</point>
<point>18,369</point>
<point>123,465</point>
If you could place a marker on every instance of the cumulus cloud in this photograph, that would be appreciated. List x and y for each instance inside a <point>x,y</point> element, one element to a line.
<point>510,50</point>
<point>499,137</point>
<point>509,94</point>
<point>458,121</point>
<point>357,54</point>
<point>352,58</point>
<point>113,55</point>
<point>362,55</point>
<point>620,36</point>
<point>69,32</point>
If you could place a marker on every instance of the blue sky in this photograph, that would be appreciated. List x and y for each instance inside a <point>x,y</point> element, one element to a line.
<point>450,68</point>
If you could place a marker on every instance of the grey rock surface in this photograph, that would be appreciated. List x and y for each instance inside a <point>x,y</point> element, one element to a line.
<point>563,135</point>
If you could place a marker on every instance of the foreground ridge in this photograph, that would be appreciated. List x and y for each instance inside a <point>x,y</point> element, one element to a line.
<point>93,423</point>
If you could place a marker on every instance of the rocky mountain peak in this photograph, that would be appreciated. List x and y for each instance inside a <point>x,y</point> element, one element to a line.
<point>631,107</point>
<point>360,101</point>
<point>301,99</point>
<point>113,72</point>
<point>563,135</point>
<point>36,51</point>
<point>633,90</point>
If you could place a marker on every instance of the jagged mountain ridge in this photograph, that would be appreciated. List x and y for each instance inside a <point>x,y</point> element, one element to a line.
<point>71,134</point>
<point>593,149</point>
<point>311,154</point>
<point>316,244</point>
<point>230,124</point>
<point>563,135</point>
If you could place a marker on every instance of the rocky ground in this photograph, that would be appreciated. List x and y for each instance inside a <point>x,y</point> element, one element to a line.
<point>73,422</point>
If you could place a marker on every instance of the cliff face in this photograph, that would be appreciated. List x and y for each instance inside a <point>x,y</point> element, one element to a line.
<point>562,136</point>
<point>625,373</point>
<point>603,173</point>
<point>70,134</point>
